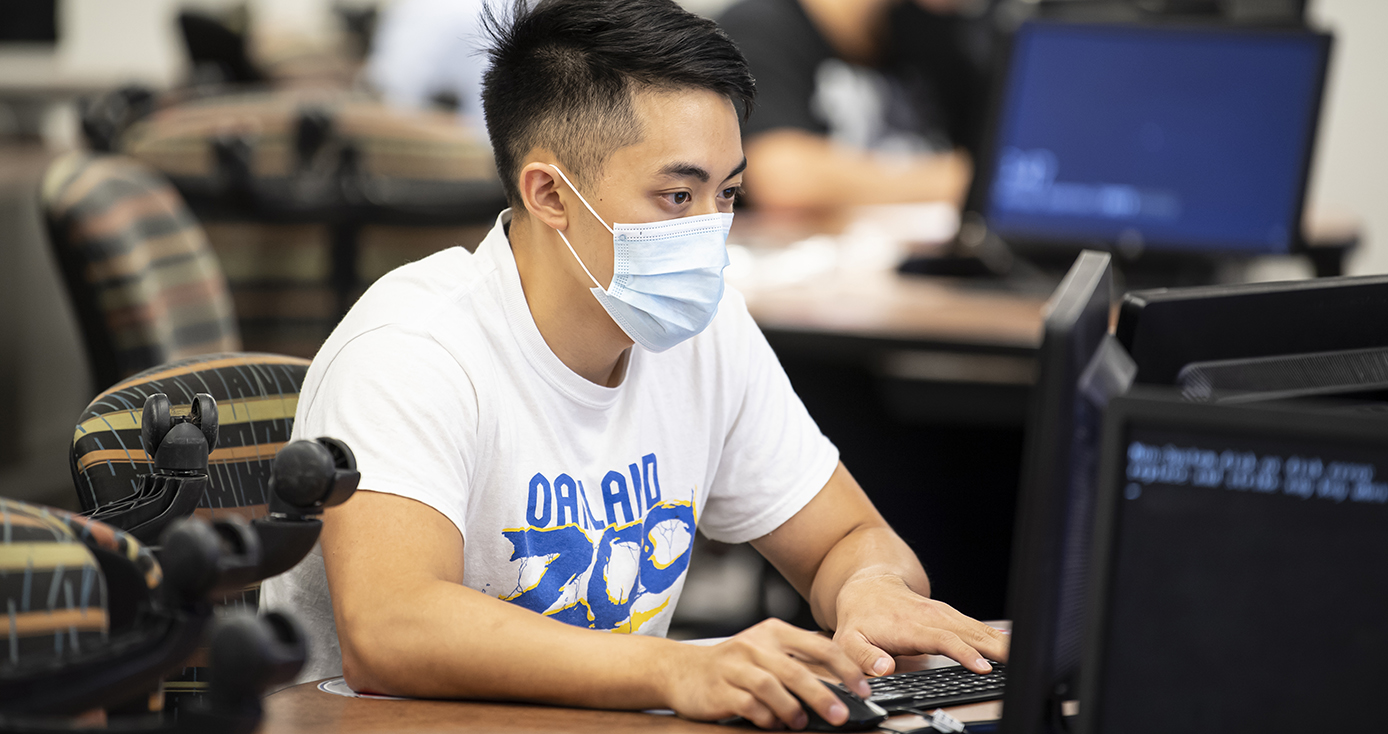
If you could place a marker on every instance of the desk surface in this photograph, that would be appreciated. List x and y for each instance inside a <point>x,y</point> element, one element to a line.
<point>835,274</point>
<point>304,709</point>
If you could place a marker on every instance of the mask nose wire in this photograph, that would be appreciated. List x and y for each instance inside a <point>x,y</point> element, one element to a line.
<point>595,216</point>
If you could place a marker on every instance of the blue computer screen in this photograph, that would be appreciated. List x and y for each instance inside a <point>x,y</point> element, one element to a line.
<point>1160,137</point>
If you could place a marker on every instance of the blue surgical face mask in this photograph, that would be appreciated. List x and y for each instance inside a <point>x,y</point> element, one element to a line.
<point>667,277</point>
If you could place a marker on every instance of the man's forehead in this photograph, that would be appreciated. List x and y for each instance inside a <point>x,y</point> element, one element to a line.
<point>687,133</point>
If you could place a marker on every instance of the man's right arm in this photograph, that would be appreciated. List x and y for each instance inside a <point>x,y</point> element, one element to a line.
<point>789,168</point>
<point>407,626</point>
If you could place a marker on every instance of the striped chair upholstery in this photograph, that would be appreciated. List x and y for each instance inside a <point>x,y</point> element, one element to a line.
<point>145,283</point>
<point>256,396</point>
<point>405,147</point>
<point>280,274</point>
<point>54,590</point>
<point>433,185</point>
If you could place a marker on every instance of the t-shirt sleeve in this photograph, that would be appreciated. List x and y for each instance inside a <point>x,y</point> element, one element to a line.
<point>409,413</point>
<point>775,459</point>
<point>783,51</point>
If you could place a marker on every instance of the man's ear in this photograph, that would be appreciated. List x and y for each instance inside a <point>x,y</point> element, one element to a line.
<point>539,190</point>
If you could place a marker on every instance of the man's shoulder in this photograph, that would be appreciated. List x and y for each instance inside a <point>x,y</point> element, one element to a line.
<point>413,293</point>
<point>448,293</point>
<point>429,318</point>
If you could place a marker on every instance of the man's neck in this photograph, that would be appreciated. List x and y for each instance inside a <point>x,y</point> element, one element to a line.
<point>854,28</point>
<point>574,325</point>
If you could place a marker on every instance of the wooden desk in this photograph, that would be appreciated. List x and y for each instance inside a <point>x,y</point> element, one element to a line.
<point>304,709</point>
<point>842,295</point>
<point>850,285</point>
<point>946,350</point>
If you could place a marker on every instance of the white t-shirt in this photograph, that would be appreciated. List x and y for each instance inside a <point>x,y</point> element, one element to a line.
<point>574,500</point>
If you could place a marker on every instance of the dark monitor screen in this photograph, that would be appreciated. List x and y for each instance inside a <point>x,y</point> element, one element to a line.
<point>1243,585</point>
<point>1080,366</point>
<point>1163,137</point>
<point>29,21</point>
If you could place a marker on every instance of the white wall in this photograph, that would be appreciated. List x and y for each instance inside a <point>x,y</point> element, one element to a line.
<point>1351,166</point>
<point>105,42</point>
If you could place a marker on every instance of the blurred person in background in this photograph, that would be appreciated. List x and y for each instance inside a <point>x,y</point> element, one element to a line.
<point>861,101</point>
<point>426,54</point>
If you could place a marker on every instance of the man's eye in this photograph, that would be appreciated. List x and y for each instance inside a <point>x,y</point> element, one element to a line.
<point>731,192</point>
<point>679,197</point>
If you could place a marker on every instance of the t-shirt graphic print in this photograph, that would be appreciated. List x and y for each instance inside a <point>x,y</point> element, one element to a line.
<point>609,561</point>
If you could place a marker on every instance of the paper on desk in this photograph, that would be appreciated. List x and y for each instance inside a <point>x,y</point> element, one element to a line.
<point>911,224</point>
<point>877,239</point>
<point>339,687</point>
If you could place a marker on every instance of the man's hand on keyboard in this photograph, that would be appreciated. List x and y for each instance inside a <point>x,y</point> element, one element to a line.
<point>879,616</point>
<point>755,673</point>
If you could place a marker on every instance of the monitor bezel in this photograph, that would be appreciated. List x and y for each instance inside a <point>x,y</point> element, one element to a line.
<point>1165,408</point>
<point>977,199</point>
<point>1038,541</point>
<point>1133,312</point>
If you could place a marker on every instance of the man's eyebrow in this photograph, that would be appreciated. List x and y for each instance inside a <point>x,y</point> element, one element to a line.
<point>690,170</point>
<point>685,170</point>
<point>740,168</point>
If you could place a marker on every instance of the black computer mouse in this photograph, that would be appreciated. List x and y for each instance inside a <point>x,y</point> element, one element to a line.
<point>862,715</point>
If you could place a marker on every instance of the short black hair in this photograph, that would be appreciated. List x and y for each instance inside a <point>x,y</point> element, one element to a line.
<point>563,72</point>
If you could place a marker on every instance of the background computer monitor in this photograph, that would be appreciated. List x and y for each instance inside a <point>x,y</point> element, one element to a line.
<point>1239,558</point>
<point>1166,329</point>
<point>1079,367</point>
<point>31,21</point>
<point>1130,137</point>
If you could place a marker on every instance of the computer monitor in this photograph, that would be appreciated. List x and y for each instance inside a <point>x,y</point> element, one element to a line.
<point>1239,558</point>
<point>1080,367</point>
<point>30,22</point>
<point>1153,138</point>
<point>1166,329</point>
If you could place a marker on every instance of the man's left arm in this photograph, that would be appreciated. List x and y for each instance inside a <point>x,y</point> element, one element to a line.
<point>864,583</point>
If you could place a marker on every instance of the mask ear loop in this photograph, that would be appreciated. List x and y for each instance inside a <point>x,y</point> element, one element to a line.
<point>595,216</point>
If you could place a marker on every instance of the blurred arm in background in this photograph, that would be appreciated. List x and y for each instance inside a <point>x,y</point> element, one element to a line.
<point>860,101</point>
<point>429,53</point>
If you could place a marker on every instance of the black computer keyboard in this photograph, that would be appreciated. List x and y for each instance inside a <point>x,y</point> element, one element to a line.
<point>936,687</point>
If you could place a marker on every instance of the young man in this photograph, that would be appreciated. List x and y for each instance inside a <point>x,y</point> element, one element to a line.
<point>541,425</point>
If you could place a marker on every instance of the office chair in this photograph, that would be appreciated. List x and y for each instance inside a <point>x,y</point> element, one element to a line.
<point>97,618</point>
<point>120,614</point>
<point>143,280</point>
<point>255,395</point>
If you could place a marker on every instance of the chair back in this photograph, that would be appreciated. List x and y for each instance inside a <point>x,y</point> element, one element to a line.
<point>52,586</point>
<point>145,284</point>
<point>256,396</point>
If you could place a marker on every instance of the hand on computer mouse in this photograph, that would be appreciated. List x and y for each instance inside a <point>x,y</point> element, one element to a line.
<point>761,675</point>
<point>862,714</point>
